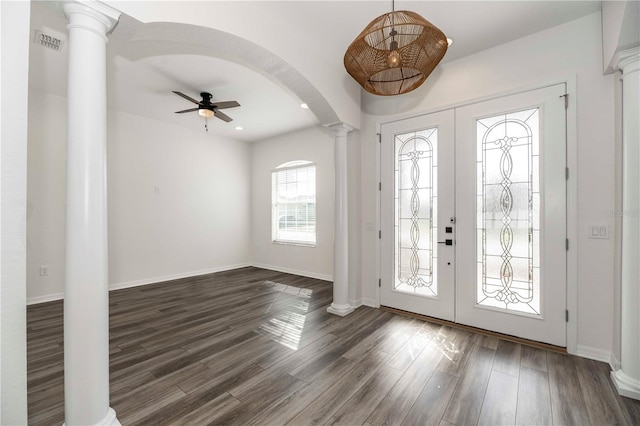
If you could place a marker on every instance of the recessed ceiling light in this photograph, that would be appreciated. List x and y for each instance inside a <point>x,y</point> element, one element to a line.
<point>449,41</point>
<point>238,128</point>
<point>305,106</point>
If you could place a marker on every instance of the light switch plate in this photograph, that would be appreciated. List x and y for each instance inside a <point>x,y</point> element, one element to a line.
<point>600,232</point>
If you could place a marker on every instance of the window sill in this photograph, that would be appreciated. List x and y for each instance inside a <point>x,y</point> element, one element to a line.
<point>293,243</point>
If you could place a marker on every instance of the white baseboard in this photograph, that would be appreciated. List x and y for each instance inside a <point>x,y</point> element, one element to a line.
<point>155,280</point>
<point>614,363</point>
<point>370,302</point>
<point>164,278</point>
<point>625,385</point>
<point>595,354</point>
<point>146,281</point>
<point>315,275</point>
<point>355,304</point>
<point>44,299</point>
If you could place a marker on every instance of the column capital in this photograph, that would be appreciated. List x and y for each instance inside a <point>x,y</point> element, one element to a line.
<point>102,14</point>
<point>627,60</point>
<point>339,129</point>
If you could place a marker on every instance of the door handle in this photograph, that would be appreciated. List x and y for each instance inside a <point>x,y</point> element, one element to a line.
<point>446,242</point>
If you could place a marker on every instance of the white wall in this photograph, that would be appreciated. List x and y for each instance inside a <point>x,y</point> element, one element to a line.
<point>14,36</point>
<point>570,50</point>
<point>313,144</point>
<point>197,222</point>
<point>46,194</point>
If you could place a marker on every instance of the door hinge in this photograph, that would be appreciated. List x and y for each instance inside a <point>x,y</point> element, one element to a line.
<point>566,173</point>
<point>379,137</point>
<point>566,315</point>
<point>567,244</point>
<point>566,100</point>
<point>379,186</point>
<point>379,282</point>
<point>380,234</point>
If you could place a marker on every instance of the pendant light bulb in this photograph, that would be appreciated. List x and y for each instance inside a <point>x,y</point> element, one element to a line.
<point>394,59</point>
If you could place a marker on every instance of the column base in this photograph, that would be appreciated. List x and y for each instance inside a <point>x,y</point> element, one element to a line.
<point>109,420</point>
<point>340,310</point>
<point>625,385</point>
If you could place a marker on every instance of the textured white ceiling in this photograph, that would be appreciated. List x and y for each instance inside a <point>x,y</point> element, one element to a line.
<point>141,82</point>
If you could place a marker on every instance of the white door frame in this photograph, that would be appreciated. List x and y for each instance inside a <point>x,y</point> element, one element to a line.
<point>572,191</point>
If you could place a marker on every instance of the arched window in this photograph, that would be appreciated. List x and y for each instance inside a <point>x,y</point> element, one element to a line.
<point>293,213</point>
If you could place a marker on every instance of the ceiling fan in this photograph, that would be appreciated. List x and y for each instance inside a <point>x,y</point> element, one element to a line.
<point>208,109</point>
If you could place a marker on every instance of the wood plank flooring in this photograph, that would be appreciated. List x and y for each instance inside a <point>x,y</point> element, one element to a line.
<point>257,347</point>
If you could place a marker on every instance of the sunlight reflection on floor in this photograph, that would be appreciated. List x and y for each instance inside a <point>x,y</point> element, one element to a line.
<point>448,349</point>
<point>286,327</point>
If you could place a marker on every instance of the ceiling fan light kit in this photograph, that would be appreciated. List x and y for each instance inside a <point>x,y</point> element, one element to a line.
<point>395,53</point>
<point>206,113</point>
<point>206,108</point>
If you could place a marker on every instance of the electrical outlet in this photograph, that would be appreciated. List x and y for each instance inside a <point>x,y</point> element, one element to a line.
<point>44,271</point>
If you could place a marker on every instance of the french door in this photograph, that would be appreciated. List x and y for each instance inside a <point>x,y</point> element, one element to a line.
<point>473,215</point>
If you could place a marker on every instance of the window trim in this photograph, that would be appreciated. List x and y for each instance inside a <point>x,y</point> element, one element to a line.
<point>284,167</point>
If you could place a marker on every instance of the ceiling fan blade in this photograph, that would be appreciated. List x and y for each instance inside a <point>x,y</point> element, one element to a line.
<point>225,104</point>
<point>222,116</point>
<point>189,98</point>
<point>187,110</point>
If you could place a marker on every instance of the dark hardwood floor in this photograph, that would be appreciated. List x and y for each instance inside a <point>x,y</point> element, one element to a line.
<point>253,346</point>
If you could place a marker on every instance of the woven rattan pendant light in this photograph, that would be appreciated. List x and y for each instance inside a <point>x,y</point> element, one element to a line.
<point>395,53</point>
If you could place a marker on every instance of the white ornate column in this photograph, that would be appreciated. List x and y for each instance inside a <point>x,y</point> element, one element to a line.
<point>627,378</point>
<point>86,296</point>
<point>340,305</point>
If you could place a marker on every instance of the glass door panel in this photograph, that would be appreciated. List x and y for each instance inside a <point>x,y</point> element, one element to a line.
<point>511,211</point>
<point>417,202</point>
<point>506,202</point>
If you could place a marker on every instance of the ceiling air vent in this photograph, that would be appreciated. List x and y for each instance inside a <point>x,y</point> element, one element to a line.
<point>48,41</point>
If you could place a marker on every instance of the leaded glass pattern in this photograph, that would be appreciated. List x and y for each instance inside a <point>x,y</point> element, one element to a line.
<point>415,212</point>
<point>508,206</point>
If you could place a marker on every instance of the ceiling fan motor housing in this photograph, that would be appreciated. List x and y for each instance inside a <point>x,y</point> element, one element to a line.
<point>206,98</point>
<point>206,105</point>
